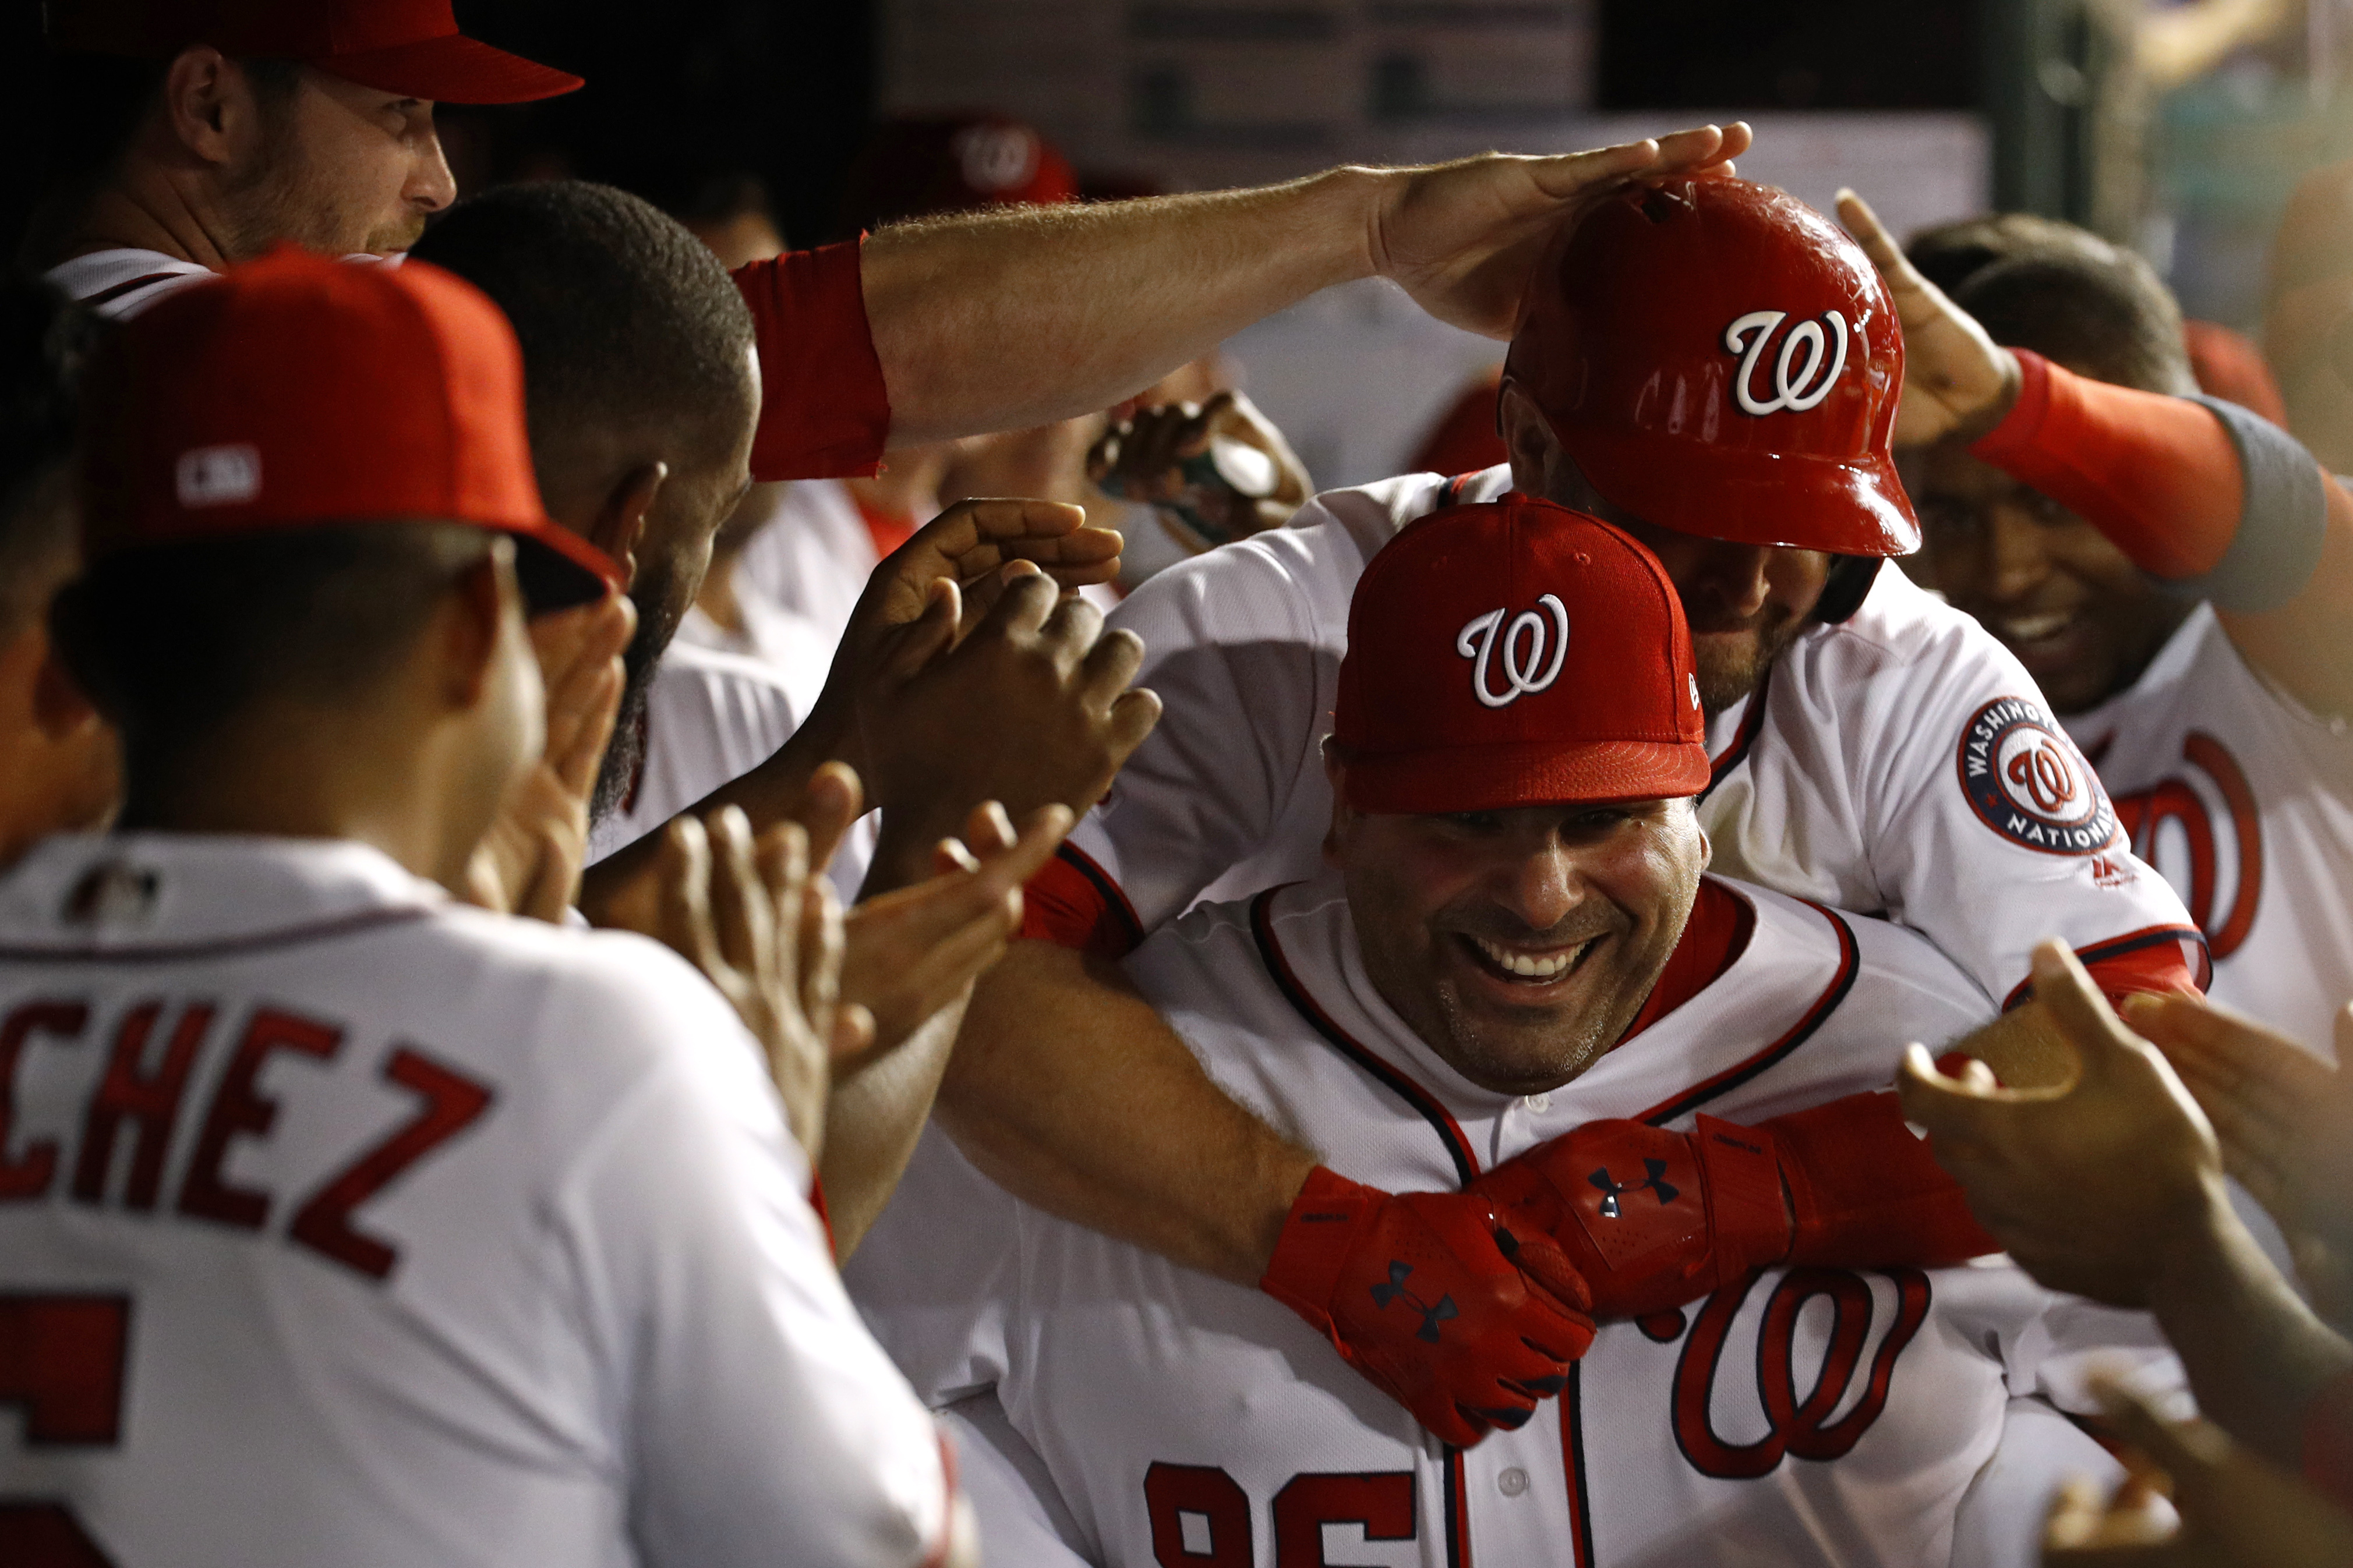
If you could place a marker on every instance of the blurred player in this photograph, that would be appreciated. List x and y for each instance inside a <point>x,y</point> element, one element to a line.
<point>59,766</point>
<point>901,341</point>
<point>1514,979</point>
<point>1871,749</point>
<point>2217,726</point>
<point>345,1224</point>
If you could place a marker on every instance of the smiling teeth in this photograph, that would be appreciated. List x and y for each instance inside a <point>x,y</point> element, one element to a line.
<point>2034,628</point>
<point>1527,964</point>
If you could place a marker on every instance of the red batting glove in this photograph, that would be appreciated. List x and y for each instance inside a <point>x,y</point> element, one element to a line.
<point>1653,1219</point>
<point>1446,1312</point>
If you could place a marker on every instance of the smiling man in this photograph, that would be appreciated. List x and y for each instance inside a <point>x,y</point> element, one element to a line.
<point>2177,573</point>
<point>1515,996</point>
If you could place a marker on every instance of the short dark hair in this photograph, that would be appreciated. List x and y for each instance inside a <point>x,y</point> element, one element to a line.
<point>92,107</point>
<point>172,641</point>
<point>2111,319</point>
<point>626,318</point>
<point>45,340</point>
<point>1949,253</point>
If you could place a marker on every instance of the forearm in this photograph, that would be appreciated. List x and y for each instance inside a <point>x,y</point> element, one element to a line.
<point>1073,1094</point>
<point>1009,320</point>
<point>873,1121</point>
<point>2255,1353</point>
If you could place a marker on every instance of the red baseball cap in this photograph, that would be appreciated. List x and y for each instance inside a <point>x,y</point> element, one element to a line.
<point>294,392</point>
<point>408,47</point>
<point>1720,358</point>
<point>1516,653</point>
<point>914,166</point>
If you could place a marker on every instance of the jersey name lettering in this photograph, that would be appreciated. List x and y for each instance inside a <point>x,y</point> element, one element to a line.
<point>140,1099</point>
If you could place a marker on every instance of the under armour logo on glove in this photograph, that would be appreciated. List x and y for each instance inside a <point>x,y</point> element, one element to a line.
<point>1795,386</point>
<point>1545,645</point>
<point>1431,1316</point>
<point>1654,1178</point>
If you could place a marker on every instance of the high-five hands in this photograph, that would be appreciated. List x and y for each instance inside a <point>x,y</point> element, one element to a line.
<point>2285,1121</point>
<point>529,863</point>
<point>2124,1141</point>
<point>767,933</point>
<point>1460,238</point>
<point>1031,708</point>
<point>1158,456</point>
<point>1956,380</point>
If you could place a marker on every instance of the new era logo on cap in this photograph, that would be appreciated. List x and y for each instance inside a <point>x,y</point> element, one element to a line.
<point>219,476</point>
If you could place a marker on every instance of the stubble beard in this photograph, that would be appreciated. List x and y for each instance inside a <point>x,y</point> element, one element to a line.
<point>1731,668</point>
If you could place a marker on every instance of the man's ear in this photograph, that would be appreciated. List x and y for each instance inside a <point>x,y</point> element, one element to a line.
<point>618,529</point>
<point>1527,437</point>
<point>209,105</point>
<point>472,624</point>
<point>61,711</point>
<point>1344,816</point>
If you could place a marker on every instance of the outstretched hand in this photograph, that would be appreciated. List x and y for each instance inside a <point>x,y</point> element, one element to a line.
<point>2124,1140</point>
<point>767,933</point>
<point>1460,238</point>
<point>1154,458</point>
<point>1956,380</point>
<point>2285,1121</point>
<point>916,950</point>
<point>2235,1510</point>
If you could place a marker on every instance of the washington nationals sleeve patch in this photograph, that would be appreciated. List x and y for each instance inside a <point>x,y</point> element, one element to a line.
<point>2027,782</point>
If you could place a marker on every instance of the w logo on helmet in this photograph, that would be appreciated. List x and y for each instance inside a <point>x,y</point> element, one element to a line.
<point>1798,382</point>
<point>1528,633</point>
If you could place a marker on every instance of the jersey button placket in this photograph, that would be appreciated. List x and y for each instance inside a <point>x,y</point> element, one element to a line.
<point>1512,1482</point>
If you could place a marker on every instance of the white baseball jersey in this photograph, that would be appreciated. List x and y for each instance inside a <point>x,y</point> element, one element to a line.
<point>1902,763</point>
<point>815,555</point>
<point>119,283</point>
<point>341,1223</point>
<point>710,719</point>
<point>789,644</point>
<point>2244,801</point>
<point>1809,1415</point>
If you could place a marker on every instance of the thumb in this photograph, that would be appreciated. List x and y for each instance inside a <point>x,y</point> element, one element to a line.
<point>929,635</point>
<point>2102,1045</point>
<point>1548,1268</point>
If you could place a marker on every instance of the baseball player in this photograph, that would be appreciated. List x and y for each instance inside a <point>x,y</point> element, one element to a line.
<point>62,768</point>
<point>2187,623</point>
<point>341,1223</point>
<point>1715,366</point>
<point>1513,978</point>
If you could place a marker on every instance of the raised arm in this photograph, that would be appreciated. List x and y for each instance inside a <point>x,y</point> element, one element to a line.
<point>2208,499</point>
<point>1004,320</point>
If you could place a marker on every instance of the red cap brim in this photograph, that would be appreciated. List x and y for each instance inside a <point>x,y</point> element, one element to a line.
<point>452,69</point>
<point>557,569</point>
<point>1524,772</point>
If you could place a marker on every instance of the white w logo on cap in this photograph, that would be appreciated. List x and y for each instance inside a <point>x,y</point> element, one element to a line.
<point>1477,640</point>
<point>1794,387</point>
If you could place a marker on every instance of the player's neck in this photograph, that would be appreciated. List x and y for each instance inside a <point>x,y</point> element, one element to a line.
<point>146,212</point>
<point>299,774</point>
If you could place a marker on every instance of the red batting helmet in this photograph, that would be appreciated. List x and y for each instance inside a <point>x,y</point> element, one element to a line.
<point>1720,358</point>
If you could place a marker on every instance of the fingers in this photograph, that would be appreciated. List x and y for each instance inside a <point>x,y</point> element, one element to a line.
<point>1132,716</point>
<point>683,873</point>
<point>1574,173</point>
<point>783,863</point>
<point>830,805</point>
<point>1024,607</point>
<point>1111,666</point>
<point>1877,243</point>
<point>1950,1108</point>
<point>933,633</point>
<point>1073,631</point>
<point>819,957</point>
<point>2102,1045</point>
<point>972,537</point>
<point>742,909</point>
<point>989,831</point>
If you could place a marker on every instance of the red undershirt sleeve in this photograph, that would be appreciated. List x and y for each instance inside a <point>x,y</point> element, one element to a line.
<point>2211,500</point>
<point>1073,902</point>
<point>824,412</point>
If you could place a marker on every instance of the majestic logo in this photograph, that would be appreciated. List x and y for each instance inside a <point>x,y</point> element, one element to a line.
<point>1395,1290</point>
<point>2027,782</point>
<point>1655,1173</point>
<point>1529,641</point>
<point>1798,382</point>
